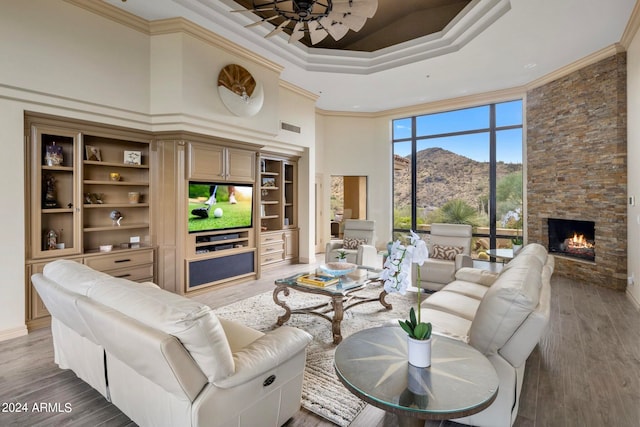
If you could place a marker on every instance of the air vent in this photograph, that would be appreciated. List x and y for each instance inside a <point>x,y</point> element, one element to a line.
<point>290,127</point>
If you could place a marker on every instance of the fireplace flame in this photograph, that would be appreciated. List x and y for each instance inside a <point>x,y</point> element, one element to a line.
<point>578,241</point>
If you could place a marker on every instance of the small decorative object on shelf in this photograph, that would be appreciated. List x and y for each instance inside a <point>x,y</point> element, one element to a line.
<point>114,176</point>
<point>132,157</point>
<point>396,277</point>
<point>94,198</point>
<point>134,197</point>
<point>50,201</point>
<point>53,155</point>
<point>263,165</point>
<point>52,240</point>
<point>116,217</point>
<point>93,153</point>
<point>269,182</point>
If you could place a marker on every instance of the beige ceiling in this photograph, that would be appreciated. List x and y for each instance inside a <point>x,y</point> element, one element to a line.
<point>395,22</point>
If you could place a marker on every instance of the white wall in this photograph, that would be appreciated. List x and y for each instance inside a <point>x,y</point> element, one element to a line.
<point>633,171</point>
<point>357,145</point>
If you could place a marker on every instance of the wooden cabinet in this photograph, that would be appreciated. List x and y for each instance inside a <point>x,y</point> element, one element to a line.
<point>210,162</point>
<point>278,210</point>
<point>88,190</point>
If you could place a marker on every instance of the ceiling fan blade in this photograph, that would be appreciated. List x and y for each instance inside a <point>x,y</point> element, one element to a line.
<point>297,33</point>
<point>316,32</point>
<point>353,22</point>
<point>366,8</point>
<point>278,29</point>
<point>335,29</point>
<point>255,24</point>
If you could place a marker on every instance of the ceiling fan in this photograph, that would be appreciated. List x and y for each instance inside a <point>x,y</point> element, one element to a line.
<point>318,18</point>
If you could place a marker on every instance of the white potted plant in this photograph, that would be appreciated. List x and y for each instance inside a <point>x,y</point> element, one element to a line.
<point>342,256</point>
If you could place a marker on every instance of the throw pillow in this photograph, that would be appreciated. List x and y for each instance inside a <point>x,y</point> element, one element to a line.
<point>445,252</point>
<point>353,242</point>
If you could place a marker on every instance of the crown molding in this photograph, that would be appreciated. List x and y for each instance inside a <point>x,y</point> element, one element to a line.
<point>181,25</point>
<point>632,27</point>
<point>113,13</point>
<point>468,101</point>
<point>300,91</point>
<point>597,56</point>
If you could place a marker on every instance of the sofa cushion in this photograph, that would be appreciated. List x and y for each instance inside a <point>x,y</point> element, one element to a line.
<point>73,276</point>
<point>476,275</point>
<point>507,303</point>
<point>191,322</point>
<point>469,289</point>
<point>353,242</point>
<point>447,324</point>
<point>454,303</point>
<point>445,252</point>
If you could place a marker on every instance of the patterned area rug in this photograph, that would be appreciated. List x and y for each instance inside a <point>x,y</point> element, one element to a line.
<point>322,392</point>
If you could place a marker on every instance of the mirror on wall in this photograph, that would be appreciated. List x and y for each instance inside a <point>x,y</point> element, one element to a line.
<point>348,201</point>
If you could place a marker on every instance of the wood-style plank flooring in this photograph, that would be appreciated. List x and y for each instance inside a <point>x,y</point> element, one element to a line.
<point>585,372</point>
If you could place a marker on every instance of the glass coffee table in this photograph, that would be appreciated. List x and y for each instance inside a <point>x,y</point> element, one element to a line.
<point>342,297</point>
<point>373,365</point>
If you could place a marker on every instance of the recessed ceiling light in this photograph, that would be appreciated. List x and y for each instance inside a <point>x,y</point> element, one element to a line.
<point>530,65</point>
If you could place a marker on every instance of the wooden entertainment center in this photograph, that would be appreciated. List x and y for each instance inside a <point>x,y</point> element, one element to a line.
<point>128,216</point>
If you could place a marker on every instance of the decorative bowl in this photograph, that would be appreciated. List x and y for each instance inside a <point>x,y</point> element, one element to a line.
<point>338,268</point>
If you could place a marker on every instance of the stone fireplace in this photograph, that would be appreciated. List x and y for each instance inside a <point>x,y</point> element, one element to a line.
<point>577,169</point>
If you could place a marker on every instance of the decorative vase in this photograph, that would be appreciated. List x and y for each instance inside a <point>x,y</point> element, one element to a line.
<point>419,352</point>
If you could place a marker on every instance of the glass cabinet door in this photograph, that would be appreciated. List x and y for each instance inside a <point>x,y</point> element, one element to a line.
<point>54,202</point>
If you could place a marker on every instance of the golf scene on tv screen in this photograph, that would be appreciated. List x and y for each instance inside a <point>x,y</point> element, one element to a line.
<point>215,206</point>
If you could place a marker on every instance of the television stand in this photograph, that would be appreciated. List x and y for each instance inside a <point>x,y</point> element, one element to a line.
<point>220,257</point>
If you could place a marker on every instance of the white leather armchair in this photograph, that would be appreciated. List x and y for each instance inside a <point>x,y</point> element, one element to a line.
<point>449,250</point>
<point>358,243</point>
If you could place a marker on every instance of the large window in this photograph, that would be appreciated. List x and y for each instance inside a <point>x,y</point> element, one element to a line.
<point>462,167</point>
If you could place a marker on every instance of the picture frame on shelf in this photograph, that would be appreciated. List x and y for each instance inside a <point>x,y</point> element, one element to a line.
<point>269,182</point>
<point>93,153</point>
<point>132,157</point>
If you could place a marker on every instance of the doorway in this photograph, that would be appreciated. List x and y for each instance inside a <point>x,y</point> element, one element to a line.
<point>348,201</point>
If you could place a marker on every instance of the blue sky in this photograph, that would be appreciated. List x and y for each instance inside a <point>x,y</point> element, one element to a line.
<point>474,146</point>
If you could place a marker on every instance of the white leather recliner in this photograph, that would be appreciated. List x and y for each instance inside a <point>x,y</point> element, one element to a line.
<point>358,242</point>
<point>449,250</point>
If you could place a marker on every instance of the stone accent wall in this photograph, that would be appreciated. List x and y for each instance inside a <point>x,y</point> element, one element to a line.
<point>577,165</point>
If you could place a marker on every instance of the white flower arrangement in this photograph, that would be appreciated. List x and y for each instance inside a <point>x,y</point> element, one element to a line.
<point>396,277</point>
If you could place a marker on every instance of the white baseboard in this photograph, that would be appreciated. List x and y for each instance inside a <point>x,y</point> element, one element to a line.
<point>8,334</point>
<point>634,301</point>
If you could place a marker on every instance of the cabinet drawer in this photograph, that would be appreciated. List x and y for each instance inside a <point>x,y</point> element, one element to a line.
<point>266,239</point>
<point>138,273</point>
<point>266,249</point>
<point>271,258</point>
<point>124,259</point>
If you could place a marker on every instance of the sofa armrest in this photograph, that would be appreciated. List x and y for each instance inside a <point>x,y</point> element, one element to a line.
<point>463,260</point>
<point>476,275</point>
<point>367,256</point>
<point>332,246</point>
<point>265,354</point>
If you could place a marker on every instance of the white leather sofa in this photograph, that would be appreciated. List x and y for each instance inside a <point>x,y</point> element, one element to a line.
<point>166,360</point>
<point>503,316</point>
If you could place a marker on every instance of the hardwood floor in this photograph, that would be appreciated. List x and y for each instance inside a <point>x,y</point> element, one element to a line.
<point>585,372</point>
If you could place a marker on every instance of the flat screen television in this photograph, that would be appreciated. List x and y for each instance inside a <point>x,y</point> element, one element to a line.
<point>219,206</point>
